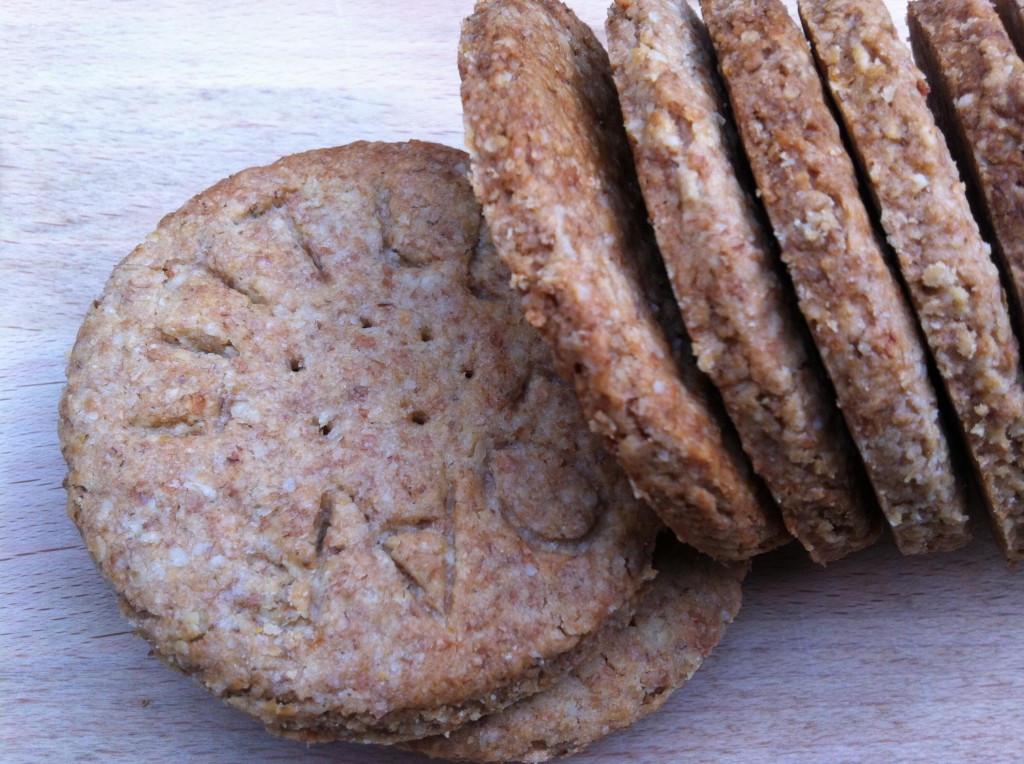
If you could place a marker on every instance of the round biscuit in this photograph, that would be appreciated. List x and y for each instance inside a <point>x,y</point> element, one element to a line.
<point>328,466</point>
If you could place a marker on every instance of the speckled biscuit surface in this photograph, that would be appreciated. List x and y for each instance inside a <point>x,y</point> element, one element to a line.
<point>856,312</point>
<point>977,85</point>
<point>552,168</point>
<point>947,267</point>
<point>747,336</point>
<point>327,465</point>
<point>631,672</point>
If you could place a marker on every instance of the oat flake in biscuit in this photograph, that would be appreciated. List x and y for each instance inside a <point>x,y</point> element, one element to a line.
<point>947,267</point>
<point>552,167</point>
<point>631,671</point>
<point>747,335</point>
<point>327,465</point>
<point>854,307</point>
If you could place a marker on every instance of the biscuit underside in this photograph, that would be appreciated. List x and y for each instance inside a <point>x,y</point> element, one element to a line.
<point>853,305</point>
<point>631,671</point>
<point>318,451</point>
<point>551,165</point>
<point>747,335</point>
<point>977,94</point>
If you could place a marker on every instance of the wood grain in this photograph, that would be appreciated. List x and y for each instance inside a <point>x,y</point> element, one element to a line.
<point>114,114</point>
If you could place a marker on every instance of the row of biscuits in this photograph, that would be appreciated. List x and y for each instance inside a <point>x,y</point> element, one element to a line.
<point>794,306</point>
<point>331,472</point>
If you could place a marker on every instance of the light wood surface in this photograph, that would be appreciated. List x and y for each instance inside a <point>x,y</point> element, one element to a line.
<point>115,113</point>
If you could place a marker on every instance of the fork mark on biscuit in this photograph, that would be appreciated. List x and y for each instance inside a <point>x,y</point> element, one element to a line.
<point>424,553</point>
<point>178,425</point>
<point>303,242</point>
<point>193,413</point>
<point>200,343</point>
<point>450,529</point>
<point>422,557</point>
<point>254,297</point>
<point>261,207</point>
<point>522,390</point>
<point>392,250</point>
<point>323,521</point>
<point>486,277</point>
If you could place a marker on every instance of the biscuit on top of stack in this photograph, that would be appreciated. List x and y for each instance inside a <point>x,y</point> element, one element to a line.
<point>341,473</point>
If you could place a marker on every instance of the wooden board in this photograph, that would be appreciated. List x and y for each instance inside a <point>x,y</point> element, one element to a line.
<point>114,114</point>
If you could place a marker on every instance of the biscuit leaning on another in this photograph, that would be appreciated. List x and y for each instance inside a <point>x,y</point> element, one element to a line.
<point>948,269</point>
<point>855,309</point>
<point>551,165</point>
<point>747,335</point>
<point>327,465</point>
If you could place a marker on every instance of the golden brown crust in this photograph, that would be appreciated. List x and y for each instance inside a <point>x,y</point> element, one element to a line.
<point>747,335</point>
<point>327,464</point>
<point>631,671</point>
<point>947,267</point>
<point>978,82</point>
<point>856,312</point>
<point>552,168</point>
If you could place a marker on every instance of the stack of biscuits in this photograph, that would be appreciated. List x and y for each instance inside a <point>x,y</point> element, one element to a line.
<point>469,453</point>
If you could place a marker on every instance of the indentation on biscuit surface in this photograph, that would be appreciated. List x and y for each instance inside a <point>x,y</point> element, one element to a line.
<point>179,425</point>
<point>261,207</point>
<point>420,555</point>
<point>539,493</point>
<point>382,213</point>
<point>323,521</point>
<point>191,413</point>
<point>199,342</point>
<point>487,277</point>
<point>308,247</point>
<point>234,285</point>
<point>422,547</point>
<point>418,417</point>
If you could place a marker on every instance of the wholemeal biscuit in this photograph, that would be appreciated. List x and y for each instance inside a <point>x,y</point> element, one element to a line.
<point>853,304</point>
<point>747,335</point>
<point>326,463</point>
<point>631,672</point>
<point>977,88</point>
<point>947,267</point>
<point>1012,14</point>
<point>551,165</point>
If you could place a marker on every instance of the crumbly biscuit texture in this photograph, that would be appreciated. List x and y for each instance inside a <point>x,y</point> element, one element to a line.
<point>551,165</point>
<point>854,307</point>
<point>747,335</point>
<point>977,83</point>
<point>631,672</point>
<point>326,463</point>
<point>948,269</point>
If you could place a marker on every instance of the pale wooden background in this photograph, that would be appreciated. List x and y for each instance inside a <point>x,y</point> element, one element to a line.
<point>115,113</point>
